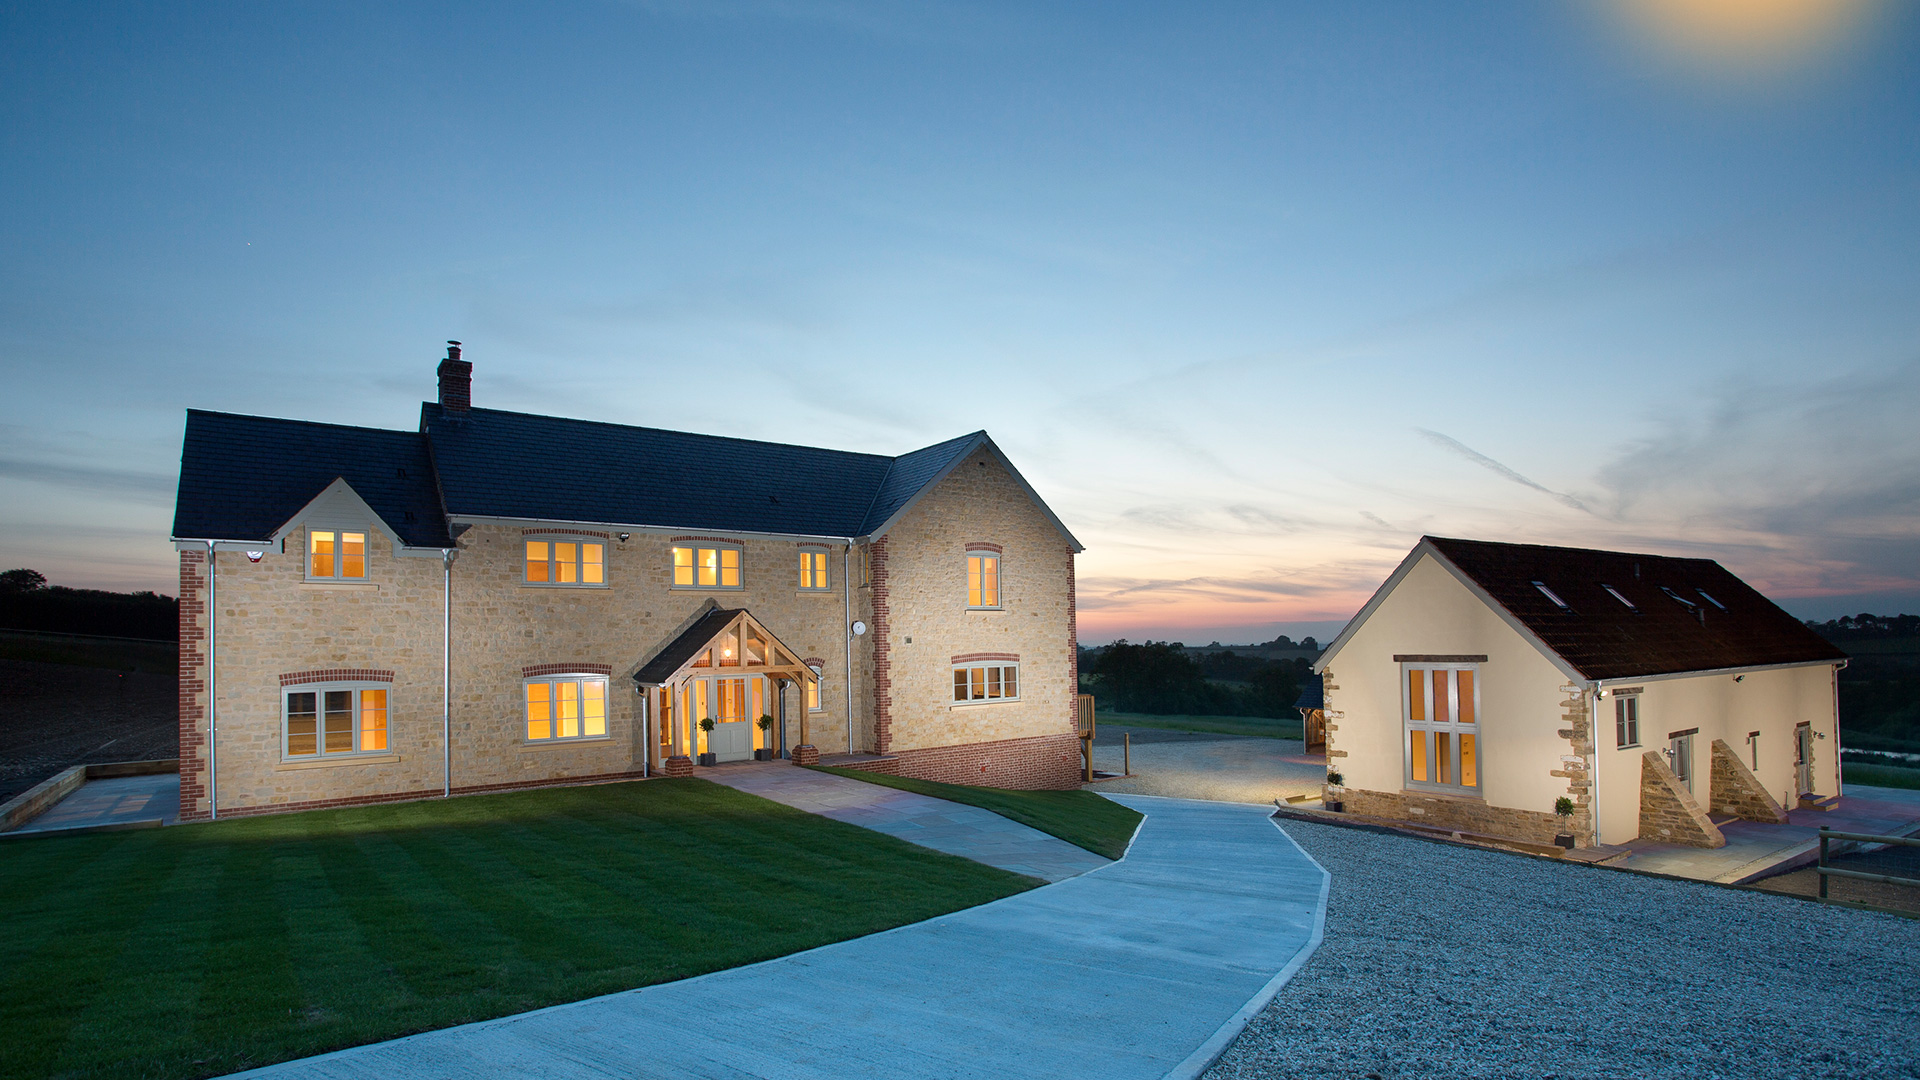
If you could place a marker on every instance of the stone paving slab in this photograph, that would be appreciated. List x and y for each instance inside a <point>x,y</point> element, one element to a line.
<point>966,831</point>
<point>1142,969</point>
<point>118,800</point>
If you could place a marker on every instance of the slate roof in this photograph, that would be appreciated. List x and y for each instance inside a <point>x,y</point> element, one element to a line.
<point>242,477</point>
<point>1313,693</point>
<point>683,648</point>
<point>1723,622</point>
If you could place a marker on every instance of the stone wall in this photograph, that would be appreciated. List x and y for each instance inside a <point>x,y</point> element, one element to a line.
<point>1668,811</point>
<point>1460,813</point>
<point>1736,792</point>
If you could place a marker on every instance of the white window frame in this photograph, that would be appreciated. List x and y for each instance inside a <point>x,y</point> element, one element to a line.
<point>822,577</point>
<point>1453,727</point>
<point>579,679</point>
<point>339,534</point>
<point>1626,720</point>
<point>998,580</point>
<point>320,690</point>
<point>989,684</point>
<point>579,564</point>
<point>698,547</point>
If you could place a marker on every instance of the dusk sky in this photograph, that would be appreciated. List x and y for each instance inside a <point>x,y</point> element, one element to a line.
<point>1253,294</point>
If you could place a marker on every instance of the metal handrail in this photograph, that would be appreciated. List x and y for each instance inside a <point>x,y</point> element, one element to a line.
<point>1826,872</point>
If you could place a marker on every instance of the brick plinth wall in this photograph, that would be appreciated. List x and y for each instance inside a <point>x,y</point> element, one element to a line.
<point>1736,792</point>
<point>887,766</point>
<point>1668,811</point>
<point>193,685</point>
<point>415,796</point>
<point>882,649</point>
<point>1045,761</point>
<point>1453,812</point>
<point>680,766</point>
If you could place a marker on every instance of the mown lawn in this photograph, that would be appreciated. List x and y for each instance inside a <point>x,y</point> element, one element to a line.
<point>204,949</point>
<point>1080,818</point>
<point>1214,725</point>
<point>1893,776</point>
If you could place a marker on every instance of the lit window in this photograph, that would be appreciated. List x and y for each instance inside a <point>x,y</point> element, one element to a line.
<point>568,707</point>
<point>332,718</point>
<point>566,562</point>
<point>1551,595</point>
<point>813,569</point>
<point>1626,720</point>
<point>1442,714</point>
<point>1615,593</point>
<point>996,682</point>
<point>983,580</point>
<point>336,555</point>
<point>706,567</point>
<point>813,689</point>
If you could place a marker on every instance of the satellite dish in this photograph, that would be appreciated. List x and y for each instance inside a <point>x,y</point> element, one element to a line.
<point>859,628</point>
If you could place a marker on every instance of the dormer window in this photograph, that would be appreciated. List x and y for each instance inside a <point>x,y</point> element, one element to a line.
<point>1615,593</point>
<point>336,555</point>
<point>1551,595</point>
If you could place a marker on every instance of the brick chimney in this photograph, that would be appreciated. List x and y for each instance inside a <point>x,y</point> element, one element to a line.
<point>456,381</point>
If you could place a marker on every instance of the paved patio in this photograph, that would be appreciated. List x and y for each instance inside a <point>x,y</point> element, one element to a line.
<point>1754,850</point>
<point>117,802</point>
<point>966,831</point>
<point>1142,969</point>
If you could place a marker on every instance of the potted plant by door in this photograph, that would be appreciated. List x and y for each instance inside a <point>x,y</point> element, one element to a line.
<point>706,725</point>
<point>1563,807</point>
<point>765,753</point>
<point>1336,787</point>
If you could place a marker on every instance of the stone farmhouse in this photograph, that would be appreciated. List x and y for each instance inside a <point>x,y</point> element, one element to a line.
<point>1485,681</point>
<point>502,600</point>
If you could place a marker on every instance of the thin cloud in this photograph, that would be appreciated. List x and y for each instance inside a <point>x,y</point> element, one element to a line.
<point>1498,469</point>
<point>107,481</point>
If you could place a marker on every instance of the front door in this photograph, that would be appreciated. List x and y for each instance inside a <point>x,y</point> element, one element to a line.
<point>1680,754</point>
<point>729,702</point>
<point>1803,758</point>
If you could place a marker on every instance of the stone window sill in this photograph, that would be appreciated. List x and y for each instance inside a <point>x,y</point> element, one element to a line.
<point>987,610</point>
<point>982,704</point>
<point>1444,793</point>
<point>1630,746</point>
<point>349,586</point>
<point>337,760</point>
<point>555,744</point>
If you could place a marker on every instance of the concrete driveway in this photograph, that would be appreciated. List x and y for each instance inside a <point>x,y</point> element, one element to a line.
<point>1142,969</point>
<point>1217,768</point>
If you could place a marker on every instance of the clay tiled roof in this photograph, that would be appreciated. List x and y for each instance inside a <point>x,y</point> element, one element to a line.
<point>1684,614</point>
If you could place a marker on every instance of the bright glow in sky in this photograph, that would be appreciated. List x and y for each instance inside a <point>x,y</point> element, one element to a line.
<point>1254,294</point>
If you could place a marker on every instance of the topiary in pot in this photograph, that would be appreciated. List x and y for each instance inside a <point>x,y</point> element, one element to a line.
<point>1336,785</point>
<point>706,725</point>
<point>1563,807</point>
<point>765,724</point>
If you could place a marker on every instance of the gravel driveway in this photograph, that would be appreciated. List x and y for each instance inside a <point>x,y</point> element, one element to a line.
<point>1442,961</point>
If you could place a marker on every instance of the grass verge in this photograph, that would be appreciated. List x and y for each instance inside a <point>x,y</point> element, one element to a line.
<point>119,654</point>
<point>1081,818</point>
<point>205,949</point>
<point>1263,727</point>
<point>1880,775</point>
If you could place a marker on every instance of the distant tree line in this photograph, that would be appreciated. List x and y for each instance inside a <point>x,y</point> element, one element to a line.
<point>1880,688</point>
<point>1161,677</point>
<point>27,602</point>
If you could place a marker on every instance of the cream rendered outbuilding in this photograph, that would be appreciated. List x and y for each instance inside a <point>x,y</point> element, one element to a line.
<point>1549,653</point>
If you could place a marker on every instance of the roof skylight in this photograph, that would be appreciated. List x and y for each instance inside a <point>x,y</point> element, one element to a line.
<point>1551,595</point>
<point>1678,599</point>
<point>1710,599</point>
<point>1617,596</point>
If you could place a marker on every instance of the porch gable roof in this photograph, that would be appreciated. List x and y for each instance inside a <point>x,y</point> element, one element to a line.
<point>695,639</point>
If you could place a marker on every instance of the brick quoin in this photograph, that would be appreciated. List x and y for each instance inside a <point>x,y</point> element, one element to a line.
<point>1073,646</point>
<point>882,652</point>
<point>1044,761</point>
<point>193,638</point>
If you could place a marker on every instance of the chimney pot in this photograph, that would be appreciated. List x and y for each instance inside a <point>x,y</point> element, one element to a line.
<point>456,381</point>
